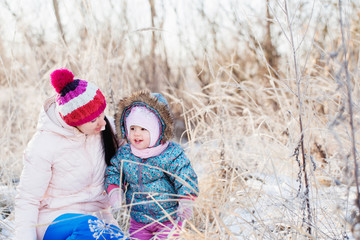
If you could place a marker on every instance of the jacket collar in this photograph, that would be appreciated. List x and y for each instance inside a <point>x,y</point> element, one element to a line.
<point>51,121</point>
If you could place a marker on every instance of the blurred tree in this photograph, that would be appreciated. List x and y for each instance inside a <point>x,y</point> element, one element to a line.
<point>58,20</point>
<point>270,50</point>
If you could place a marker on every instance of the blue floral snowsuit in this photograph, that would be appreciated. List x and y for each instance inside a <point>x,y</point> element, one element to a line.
<point>154,185</point>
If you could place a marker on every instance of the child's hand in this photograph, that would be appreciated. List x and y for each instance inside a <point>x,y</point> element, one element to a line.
<point>185,209</point>
<point>115,197</point>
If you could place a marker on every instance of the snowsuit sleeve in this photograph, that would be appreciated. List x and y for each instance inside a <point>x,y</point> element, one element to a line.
<point>34,181</point>
<point>113,172</point>
<point>183,175</point>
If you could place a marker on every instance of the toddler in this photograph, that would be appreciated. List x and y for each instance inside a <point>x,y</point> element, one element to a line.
<point>157,177</point>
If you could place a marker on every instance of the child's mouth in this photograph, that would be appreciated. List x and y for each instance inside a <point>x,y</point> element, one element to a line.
<point>138,141</point>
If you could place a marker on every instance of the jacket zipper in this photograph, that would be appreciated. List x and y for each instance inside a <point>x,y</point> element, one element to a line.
<point>139,175</point>
<point>146,204</point>
<point>90,157</point>
<point>140,183</point>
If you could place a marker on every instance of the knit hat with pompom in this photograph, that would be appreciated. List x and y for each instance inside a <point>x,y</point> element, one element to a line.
<point>78,101</point>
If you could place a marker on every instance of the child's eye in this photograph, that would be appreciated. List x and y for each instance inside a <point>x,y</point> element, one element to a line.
<point>143,129</point>
<point>132,128</point>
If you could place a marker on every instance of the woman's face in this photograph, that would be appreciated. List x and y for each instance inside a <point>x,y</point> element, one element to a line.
<point>93,127</point>
<point>139,137</point>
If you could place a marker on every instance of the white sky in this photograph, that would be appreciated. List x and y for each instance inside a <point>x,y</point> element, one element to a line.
<point>39,14</point>
<point>38,17</point>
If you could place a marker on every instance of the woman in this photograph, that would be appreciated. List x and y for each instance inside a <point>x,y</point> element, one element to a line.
<point>61,190</point>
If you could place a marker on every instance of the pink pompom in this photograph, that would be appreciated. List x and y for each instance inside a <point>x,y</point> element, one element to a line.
<point>60,78</point>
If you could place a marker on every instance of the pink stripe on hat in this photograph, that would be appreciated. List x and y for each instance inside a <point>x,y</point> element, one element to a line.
<point>142,117</point>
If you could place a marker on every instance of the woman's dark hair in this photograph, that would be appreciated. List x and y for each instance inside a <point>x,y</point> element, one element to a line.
<point>110,142</point>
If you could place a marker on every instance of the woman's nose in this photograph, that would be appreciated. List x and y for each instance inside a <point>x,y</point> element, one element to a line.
<point>102,122</point>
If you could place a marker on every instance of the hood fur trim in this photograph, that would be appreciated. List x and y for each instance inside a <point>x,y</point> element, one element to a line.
<point>150,101</point>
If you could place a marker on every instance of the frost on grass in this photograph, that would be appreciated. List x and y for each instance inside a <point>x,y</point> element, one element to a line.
<point>7,196</point>
<point>275,210</point>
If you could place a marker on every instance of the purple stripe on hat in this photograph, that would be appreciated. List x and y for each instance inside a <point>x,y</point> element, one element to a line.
<point>69,87</point>
<point>80,89</point>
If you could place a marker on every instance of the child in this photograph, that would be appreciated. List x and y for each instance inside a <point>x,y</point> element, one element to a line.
<point>158,178</point>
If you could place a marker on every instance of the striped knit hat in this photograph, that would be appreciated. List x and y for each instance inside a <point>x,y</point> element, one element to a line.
<point>79,101</point>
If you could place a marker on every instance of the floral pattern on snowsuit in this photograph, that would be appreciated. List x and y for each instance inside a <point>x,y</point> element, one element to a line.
<point>153,186</point>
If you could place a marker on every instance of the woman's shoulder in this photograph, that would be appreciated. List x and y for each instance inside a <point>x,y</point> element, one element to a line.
<point>44,145</point>
<point>44,140</point>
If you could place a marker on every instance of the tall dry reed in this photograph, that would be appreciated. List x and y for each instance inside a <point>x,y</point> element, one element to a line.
<point>245,91</point>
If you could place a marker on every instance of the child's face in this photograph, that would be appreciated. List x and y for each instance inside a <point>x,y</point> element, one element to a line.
<point>139,137</point>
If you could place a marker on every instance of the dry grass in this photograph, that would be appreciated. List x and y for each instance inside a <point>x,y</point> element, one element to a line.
<point>236,99</point>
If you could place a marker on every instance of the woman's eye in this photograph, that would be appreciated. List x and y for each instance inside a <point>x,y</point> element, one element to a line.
<point>96,119</point>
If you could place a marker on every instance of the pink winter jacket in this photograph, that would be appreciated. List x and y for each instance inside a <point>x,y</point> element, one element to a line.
<point>63,172</point>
